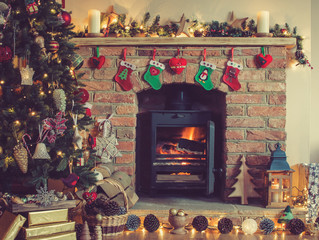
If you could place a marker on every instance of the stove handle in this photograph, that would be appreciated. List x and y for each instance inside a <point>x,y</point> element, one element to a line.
<point>178,115</point>
<point>218,170</point>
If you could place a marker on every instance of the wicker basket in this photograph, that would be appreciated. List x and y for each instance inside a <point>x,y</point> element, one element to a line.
<point>111,225</point>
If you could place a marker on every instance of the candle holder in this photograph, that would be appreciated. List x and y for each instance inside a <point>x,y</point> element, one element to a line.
<point>94,34</point>
<point>264,35</point>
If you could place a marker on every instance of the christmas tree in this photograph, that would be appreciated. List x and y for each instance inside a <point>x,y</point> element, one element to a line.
<point>41,102</point>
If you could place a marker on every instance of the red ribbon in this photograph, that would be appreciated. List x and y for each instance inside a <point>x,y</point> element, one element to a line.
<point>124,54</point>
<point>204,54</point>
<point>63,3</point>
<point>154,53</point>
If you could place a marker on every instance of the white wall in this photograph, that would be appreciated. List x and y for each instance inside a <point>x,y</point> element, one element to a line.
<point>302,90</point>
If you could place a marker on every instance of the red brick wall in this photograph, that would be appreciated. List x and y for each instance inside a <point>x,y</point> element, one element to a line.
<point>256,114</point>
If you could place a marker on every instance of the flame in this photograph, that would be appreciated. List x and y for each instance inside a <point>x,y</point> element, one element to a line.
<point>181,173</point>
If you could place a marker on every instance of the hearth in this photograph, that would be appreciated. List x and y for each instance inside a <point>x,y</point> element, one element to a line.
<point>175,147</point>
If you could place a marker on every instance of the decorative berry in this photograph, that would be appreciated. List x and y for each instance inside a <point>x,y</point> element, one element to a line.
<point>151,223</point>
<point>111,208</point>
<point>133,222</point>
<point>296,226</point>
<point>225,225</point>
<point>267,226</point>
<point>200,223</point>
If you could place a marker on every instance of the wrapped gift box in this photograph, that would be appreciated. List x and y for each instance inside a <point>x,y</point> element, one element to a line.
<point>10,225</point>
<point>48,229</point>
<point>59,236</point>
<point>45,217</point>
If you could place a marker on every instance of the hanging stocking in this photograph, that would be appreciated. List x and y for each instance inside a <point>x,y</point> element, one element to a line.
<point>231,74</point>
<point>204,72</point>
<point>124,73</point>
<point>97,61</point>
<point>153,72</point>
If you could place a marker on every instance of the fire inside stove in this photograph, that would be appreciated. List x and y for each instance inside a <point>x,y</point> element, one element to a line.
<point>181,148</point>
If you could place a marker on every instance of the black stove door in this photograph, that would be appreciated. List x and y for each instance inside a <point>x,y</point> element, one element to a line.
<point>210,180</point>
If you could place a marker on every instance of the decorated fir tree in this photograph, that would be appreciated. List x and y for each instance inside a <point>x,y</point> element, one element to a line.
<point>40,99</point>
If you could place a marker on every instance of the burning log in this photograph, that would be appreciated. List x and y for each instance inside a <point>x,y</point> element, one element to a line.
<point>190,146</point>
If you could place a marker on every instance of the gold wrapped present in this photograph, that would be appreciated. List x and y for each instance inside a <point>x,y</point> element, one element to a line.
<point>45,217</point>
<point>49,229</point>
<point>10,225</point>
<point>59,236</point>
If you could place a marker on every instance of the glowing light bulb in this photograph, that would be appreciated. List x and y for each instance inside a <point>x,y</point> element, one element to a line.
<point>17,122</point>
<point>45,75</point>
<point>33,113</point>
<point>2,82</point>
<point>59,153</point>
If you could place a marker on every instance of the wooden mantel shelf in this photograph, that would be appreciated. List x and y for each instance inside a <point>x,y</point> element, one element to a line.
<point>204,41</point>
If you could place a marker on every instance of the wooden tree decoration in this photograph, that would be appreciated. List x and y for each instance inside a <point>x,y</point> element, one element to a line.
<point>244,187</point>
<point>85,235</point>
<point>98,233</point>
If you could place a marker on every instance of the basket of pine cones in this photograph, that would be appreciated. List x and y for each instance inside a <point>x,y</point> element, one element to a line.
<point>107,213</point>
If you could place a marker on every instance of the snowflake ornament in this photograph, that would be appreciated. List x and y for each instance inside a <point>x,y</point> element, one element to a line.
<point>26,75</point>
<point>45,197</point>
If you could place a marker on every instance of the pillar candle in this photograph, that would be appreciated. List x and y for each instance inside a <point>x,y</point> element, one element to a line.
<point>263,22</point>
<point>94,21</point>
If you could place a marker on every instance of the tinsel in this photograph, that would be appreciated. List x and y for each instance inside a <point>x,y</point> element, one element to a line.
<point>151,223</point>
<point>267,226</point>
<point>111,208</point>
<point>296,226</point>
<point>133,222</point>
<point>225,225</point>
<point>200,223</point>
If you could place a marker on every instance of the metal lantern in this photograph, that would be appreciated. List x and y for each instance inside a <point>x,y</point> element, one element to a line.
<point>279,180</point>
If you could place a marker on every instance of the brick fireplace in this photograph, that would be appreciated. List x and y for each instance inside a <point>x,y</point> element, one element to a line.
<point>255,116</point>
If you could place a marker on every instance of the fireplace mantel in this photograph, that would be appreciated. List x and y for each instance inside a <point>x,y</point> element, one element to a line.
<point>182,41</point>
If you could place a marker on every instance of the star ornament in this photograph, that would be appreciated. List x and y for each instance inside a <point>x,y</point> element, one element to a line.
<point>184,25</point>
<point>26,75</point>
<point>236,22</point>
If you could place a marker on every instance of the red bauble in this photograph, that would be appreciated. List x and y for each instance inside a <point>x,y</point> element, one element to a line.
<point>54,46</point>
<point>84,95</point>
<point>71,180</point>
<point>178,64</point>
<point>65,18</point>
<point>5,54</point>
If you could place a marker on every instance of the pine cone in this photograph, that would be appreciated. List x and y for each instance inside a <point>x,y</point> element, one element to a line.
<point>296,226</point>
<point>267,226</point>
<point>122,211</point>
<point>111,208</point>
<point>225,225</point>
<point>200,223</point>
<point>133,222</point>
<point>151,223</point>
<point>21,156</point>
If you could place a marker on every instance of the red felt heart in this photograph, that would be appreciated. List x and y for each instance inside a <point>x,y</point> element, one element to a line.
<point>89,196</point>
<point>97,62</point>
<point>178,64</point>
<point>154,71</point>
<point>263,61</point>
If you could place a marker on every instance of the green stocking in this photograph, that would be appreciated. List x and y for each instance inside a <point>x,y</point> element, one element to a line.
<point>203,75</point>
<point>152,74</point>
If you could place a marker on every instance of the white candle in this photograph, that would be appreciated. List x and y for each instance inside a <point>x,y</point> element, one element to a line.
<point>94,21</point>
<point>263,22</point>
<point>275,195</point>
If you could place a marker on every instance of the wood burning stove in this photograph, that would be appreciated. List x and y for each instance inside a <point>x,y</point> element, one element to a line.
<point>175,150</point>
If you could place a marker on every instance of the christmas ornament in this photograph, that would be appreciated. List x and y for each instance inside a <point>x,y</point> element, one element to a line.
<point>263,60</point>
<point>76,61</point>
<point>5,54</point>
<point>26,75</point>
<point>184,25</point>
<point>204,72</point>
<point>97,61</point>
<point>98,233</point>
<point>249,226</point>
<point>225,225</point>
<point>111,208</point>
<point>133,222</point>
<point>83,94</point>
<point>65,18</point>
<point>296,226</point>
<point>200,223</point>
<point>178,64</point>
<point>180,213</point>
<point>41,150</point>
<point>151,223</point>
<point>59,99</point>
<point>54,46</point>
<point>40,41</point>
<point>286,216</point>
<point>231,74</point>
<point>53,127</point>
<point>88,107</point>
<point>173,212</point>
<point>21,156</point>
<point>44,197</point>
<point>71,180</point>
<point>4,11</point>
<point>152,74</point>
<point>267,226</point>
<point>124,73</point>
<point>89,197</point>
<point>77,138</point>
<point>32,7</point>
<point>178,222</point>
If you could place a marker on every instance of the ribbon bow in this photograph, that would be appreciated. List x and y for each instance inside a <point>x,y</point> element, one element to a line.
<point>54,127</point>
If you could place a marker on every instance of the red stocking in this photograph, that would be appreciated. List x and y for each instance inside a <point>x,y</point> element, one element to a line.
<point>231,74</point>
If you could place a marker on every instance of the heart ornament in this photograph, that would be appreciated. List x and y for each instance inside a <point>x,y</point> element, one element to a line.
<point>178,64</point>
<point>263,61</point>
<point>89,197</point>
<point>154,71</point>
<point>97,62</point>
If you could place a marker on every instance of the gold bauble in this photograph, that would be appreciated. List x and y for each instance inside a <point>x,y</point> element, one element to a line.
<point>1,150</point>
<point>52,11</point>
